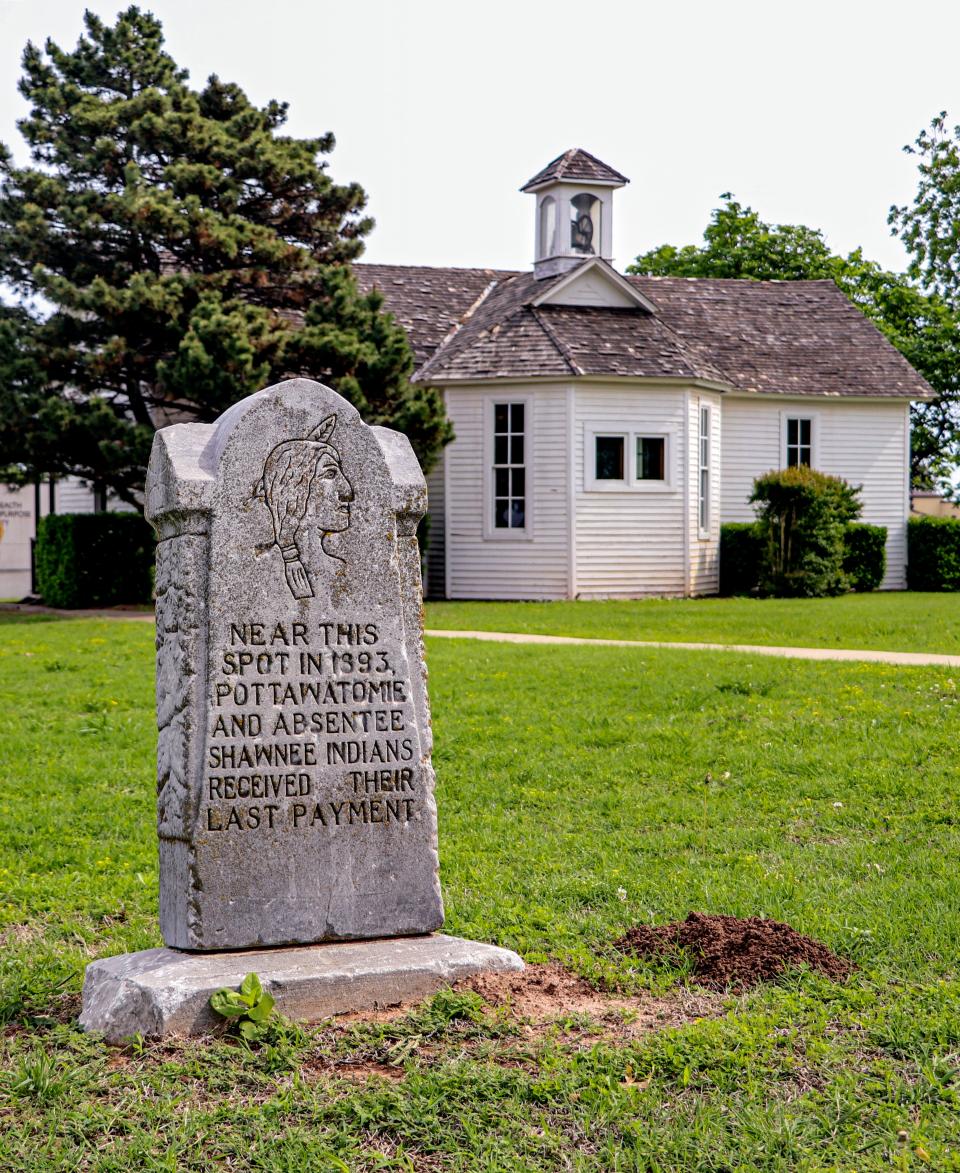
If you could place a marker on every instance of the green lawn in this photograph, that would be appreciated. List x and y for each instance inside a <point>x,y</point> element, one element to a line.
<point>891,621</point>
<point>574,802</point>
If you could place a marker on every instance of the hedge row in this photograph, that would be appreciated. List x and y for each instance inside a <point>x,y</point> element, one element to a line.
<point>94,559</point>
<point>865,555</point>
<point>742,557</point>
<point>933,554</point>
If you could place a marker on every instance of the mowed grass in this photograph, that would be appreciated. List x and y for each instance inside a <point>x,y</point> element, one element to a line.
<point>581,790</point>
<point>905,621</point>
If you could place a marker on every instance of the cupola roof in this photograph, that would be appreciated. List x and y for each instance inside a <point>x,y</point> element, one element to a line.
<point>576,164</point>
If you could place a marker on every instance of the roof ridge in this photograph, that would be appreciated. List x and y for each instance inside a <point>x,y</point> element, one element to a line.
<point>559,346</point>
<point>464,318</point>
<point>742,281</point>
<point>501,273</point>
<point>692,353</point>
<point>446,346</point>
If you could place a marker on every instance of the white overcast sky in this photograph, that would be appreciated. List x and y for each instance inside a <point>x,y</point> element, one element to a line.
<point>442,109</point>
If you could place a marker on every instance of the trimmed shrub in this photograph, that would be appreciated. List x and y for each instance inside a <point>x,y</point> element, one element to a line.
<point>865,560</point>
<point>94,559</point>
<point>933,554</point>
<point>802,515</point>
<point>741,549</point>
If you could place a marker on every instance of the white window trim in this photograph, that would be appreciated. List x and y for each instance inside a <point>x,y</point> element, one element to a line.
<point>490,532</point>
<point>704,532</point>
<point>631,483</point>
<point>801,414</point>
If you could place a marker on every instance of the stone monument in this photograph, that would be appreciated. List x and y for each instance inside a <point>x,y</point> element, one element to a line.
<point>295,802</point>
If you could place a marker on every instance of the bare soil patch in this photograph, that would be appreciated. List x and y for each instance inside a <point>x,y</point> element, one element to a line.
<point>544,994</point>
<point>735,953</point>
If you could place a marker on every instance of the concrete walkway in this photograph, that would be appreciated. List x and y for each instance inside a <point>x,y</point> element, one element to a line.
<point>512,637</point>
<point>515,637</point>
<point>79,613</point>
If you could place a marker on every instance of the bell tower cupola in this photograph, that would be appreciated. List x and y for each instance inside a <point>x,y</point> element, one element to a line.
<point>574,211</point>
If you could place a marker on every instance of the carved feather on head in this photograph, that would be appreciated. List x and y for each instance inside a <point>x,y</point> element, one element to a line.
<point>324,429</point>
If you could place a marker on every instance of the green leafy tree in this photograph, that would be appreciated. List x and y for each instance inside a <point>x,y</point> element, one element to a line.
<point>924,327</point>
<point>930,226</point>
<point>188,252</point>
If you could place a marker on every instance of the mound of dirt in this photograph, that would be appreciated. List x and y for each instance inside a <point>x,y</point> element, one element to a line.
<point>731,952</point>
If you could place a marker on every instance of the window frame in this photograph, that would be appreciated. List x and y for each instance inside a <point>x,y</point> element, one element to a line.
<point>631,482</point>
<point>595,215</point>
<point>814,418</point>
<point>491,532</point>
<point>547,248</point>
<point>705,496</point>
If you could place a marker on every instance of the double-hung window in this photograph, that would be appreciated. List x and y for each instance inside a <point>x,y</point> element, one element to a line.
<point>799,441</point>
<point>703,480</point>
<point>509,467</point>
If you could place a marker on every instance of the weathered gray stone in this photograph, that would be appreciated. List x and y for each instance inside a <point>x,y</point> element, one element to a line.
<point>162,991</point>
<point>295,789</point>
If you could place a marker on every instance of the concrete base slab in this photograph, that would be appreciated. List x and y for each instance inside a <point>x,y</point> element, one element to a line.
<point>160,992</point>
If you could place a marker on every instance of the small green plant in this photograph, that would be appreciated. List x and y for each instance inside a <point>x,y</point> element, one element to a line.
<point>249,1007</point>
<point>36,1077</point>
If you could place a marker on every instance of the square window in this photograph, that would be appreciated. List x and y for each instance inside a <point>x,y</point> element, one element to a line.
<point>516,449</point>
<point>651,458</point>
<point>500,416</point>
<point>609,458</point>
<point>516,417</point>
<point>517,482</point>
<point>501,482</point>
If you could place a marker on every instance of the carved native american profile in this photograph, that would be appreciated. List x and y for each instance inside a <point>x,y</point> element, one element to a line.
<point>303,483</point>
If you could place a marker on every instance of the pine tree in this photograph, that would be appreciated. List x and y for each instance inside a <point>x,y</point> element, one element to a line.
<point>191,253</point>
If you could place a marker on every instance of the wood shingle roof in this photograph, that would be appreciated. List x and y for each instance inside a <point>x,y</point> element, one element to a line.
<point>576,164</point>
<point>768,337</point>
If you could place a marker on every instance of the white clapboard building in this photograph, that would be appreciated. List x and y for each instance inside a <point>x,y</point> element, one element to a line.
<point>607,425</point>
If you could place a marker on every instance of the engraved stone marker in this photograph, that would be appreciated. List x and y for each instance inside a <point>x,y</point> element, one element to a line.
<point>295,791</point>
<point>295,787</point>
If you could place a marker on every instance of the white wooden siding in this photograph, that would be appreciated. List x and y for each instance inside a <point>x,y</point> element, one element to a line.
<point>865,443</point>
<point>507,568</point>
<point>630,542</point>
<point>74,496</point>
<point>704,553</point>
